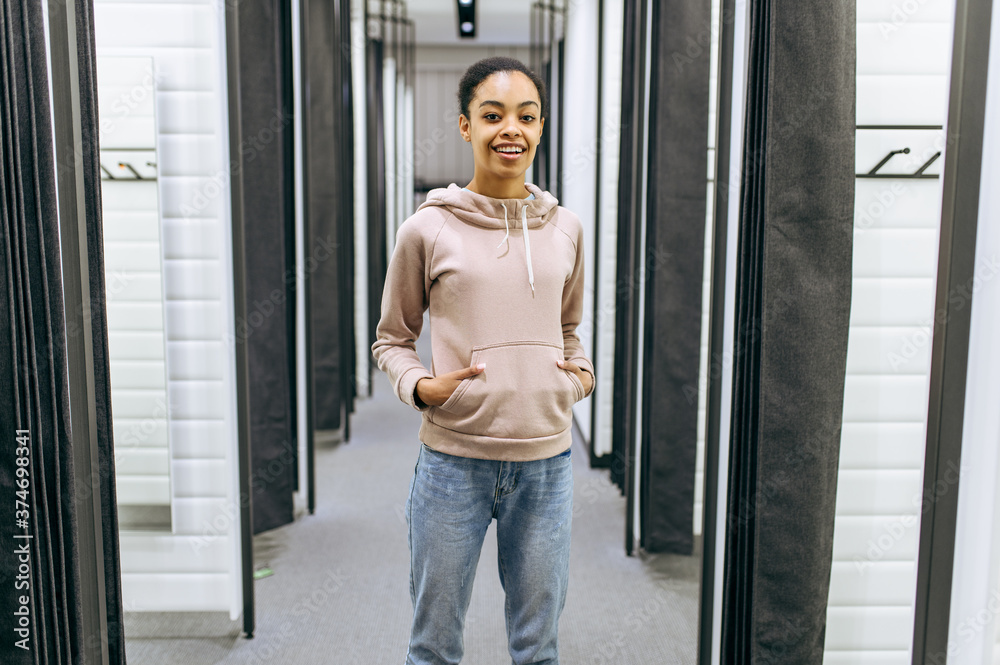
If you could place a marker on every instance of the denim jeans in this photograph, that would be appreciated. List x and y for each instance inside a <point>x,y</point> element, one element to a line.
<point>451,504</point>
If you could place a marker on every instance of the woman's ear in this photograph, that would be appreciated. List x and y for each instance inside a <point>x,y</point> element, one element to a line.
<point>541,125</point>
<point>463,127</point>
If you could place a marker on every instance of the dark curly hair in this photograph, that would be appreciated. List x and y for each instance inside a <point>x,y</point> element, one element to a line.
<point>480,71</point>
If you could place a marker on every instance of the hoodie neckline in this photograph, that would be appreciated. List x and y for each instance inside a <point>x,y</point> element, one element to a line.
<point>529,196</point>
<point>488,212</point>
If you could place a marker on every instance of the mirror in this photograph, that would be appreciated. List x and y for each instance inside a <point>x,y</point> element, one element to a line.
<point>618,601</point>
<point>133,261</point>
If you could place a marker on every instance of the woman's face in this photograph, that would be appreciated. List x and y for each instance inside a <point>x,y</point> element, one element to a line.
<point>504,126</point>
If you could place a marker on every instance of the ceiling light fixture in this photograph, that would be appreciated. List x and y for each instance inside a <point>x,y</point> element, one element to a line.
<point>467,19</point>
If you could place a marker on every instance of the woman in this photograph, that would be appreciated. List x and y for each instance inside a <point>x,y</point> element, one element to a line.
<point>500,267</point>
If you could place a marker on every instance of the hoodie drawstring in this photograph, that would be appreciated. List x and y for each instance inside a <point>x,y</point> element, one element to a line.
<point>527,243</point>
<point>527,247</point>
<point>506,235</point>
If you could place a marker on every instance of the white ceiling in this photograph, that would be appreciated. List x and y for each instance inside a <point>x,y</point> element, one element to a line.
<point>504,22</point>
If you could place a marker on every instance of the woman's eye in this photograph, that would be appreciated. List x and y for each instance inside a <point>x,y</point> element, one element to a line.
<point>492,116</point>
<point>527,118</point>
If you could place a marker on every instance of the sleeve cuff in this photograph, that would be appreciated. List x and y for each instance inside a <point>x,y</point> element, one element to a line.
<point>408,383</point>
<point>585,365</point>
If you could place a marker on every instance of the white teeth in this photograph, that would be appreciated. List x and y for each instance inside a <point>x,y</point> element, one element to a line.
<point>509,149</point>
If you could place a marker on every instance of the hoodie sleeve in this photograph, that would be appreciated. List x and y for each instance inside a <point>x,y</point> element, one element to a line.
<point>404,301</point>
<point>572,311</point>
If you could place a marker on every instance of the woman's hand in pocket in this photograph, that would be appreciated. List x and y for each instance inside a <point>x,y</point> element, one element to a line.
<point>585,377</point>
<point>436,391</point>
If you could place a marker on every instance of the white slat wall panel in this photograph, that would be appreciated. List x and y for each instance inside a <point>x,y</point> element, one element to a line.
<point>440,156</point>
<point>904,50</point>
<point>578,162</point>
<point>132,263</point>
<point>194,567</point>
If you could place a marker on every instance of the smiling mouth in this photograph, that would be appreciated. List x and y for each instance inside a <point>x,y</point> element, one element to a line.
<point>509,150</point>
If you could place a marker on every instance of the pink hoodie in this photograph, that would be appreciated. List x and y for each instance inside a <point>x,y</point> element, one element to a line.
<point>497,295</point>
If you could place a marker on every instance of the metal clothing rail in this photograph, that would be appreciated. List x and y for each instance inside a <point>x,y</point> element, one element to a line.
<point>919,173</point>
<point>108,175</point>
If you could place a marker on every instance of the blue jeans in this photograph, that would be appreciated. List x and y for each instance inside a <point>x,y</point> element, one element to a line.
<point>451,504</point>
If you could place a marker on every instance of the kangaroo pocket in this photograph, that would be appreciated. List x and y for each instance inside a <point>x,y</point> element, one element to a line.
<point>522,393</point>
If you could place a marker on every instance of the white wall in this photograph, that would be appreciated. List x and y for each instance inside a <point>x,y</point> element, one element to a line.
<point>358,74</point>
<point>605,261</point>
<point>195,567</point>
<point>133,258</point>
<point>579,159</point>
<point>904,51</point>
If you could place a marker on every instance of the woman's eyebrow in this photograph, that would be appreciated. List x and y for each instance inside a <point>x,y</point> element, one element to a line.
<point>493,102</point>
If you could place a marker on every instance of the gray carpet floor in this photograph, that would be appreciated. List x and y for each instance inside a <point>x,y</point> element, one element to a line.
<point>340,589</point>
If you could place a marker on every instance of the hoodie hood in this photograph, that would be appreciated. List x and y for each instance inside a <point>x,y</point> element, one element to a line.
<point>489,212</point>
<point>492,213</point>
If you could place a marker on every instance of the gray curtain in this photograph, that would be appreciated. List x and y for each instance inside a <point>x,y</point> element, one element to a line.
<point>266,129</point>
<point>287,92</point>
<point>378,259</point>
<point>627,257</point>
<point>674,265</point>
<point>793,305</point>
<point>328,168</point>
<point>33,357</point>
<point>345,150</point>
